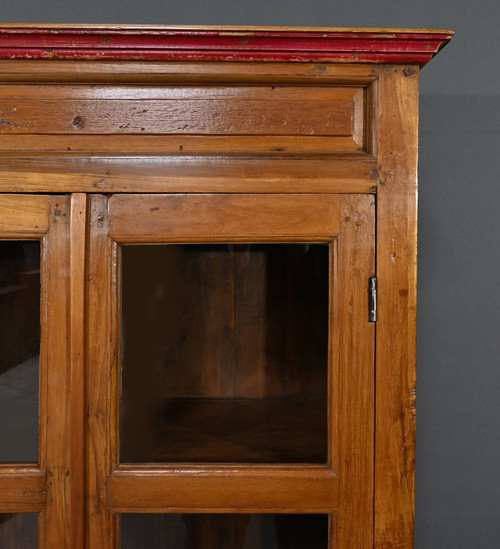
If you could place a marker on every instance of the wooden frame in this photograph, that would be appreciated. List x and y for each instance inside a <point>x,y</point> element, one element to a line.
<point>347,223</point>
<point>396,323</point>
<point>369,156</point>
<point>44,487</point>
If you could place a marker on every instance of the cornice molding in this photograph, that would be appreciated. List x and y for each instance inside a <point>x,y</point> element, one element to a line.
<point>258,44</point>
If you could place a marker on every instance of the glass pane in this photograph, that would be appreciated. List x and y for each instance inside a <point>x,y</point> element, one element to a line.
<point>19,531</point>
<point>220,531</point>
<point>20,350</point>
<point>224,353</point>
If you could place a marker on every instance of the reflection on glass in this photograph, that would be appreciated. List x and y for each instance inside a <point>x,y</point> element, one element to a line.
<point>224,353</point>
<point>20,350</point>
<point>19,531</point>
<point>222,531</point>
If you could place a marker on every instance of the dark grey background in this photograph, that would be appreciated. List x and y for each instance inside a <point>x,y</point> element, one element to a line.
<point>458,449</point>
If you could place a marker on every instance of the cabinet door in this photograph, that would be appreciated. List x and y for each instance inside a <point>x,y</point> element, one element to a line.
<point>230,371</point>
<point>35,446</point>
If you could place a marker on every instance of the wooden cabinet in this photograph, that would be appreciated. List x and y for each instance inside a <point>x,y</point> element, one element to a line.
<point>198,217</point>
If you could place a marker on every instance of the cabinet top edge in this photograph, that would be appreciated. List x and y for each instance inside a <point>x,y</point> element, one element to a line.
<point>220,43</point>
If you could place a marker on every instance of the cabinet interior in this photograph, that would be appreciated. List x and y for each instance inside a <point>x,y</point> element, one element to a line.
<point>224,352</point>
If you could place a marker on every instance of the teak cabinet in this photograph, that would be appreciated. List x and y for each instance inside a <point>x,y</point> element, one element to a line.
<point>193,224</point>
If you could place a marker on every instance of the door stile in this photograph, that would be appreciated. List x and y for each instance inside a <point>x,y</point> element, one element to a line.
<point>100,360</point>
<point>354,391</point>
<point>55,398</point>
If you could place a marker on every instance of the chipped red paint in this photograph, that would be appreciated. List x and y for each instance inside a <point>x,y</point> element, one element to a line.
<point>353,46</point>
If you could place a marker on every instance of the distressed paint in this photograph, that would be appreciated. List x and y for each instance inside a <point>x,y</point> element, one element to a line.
<point>221,44</point>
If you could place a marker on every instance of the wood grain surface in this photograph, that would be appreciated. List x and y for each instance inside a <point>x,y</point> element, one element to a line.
<point>347,224</point>
<point>21,216</point>
<point>352,381</point>
<point>113,135</point>
<point>236,110</point>
<point>22,489</point>
<point>55,435</point>
<point>212,218</point>
<point>396,323</point>
<point>196,174</point>
<point>45,489</point>
<point>229,490</point>
<point>101,354</point>
<point>78,224</point>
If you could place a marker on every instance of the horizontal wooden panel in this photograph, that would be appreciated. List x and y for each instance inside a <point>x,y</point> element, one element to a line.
<point>189,490</point>
<point>22,491</point>
<point>351,174</point>
<point>182,145</point>
<point>23,214</point>
<point>202,110</point>
<point>32,70</point>
<point>183,117</point>
<point>269,93</point>
<point>179,217</point>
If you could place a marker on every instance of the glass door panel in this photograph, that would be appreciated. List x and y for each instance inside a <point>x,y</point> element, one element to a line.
<point>228,531</point>
<point>20,350</point>
<point>19,531</point>
<point>230,368</point>
<point>38,462</point>
<point>224,353</point>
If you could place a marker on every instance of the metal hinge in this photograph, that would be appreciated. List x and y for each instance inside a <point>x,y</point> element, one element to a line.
<point>372,299</point>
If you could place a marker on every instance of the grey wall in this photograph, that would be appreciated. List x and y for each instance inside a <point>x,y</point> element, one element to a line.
<point>458,457</point>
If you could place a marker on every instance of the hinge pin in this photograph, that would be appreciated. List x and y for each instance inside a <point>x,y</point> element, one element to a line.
<point>372,285</point>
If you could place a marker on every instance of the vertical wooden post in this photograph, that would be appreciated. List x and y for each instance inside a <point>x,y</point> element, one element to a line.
<point>77,343</point>
<point>100,359</point>
<point>355,383</point>
<point>396,323</point>
<point>55,376</point>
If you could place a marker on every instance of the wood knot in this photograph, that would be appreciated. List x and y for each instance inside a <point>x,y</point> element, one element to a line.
<point>413,402</point>
<point>78,122</point>
<point>5,122</point>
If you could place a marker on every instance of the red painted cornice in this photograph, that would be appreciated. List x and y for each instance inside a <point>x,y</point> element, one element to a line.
<point>154,43</point>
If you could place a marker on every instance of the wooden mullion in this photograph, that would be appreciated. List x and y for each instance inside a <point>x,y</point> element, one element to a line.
<point>77,381</point>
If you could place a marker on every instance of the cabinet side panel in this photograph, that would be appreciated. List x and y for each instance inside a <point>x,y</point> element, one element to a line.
<point>396,322</point>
